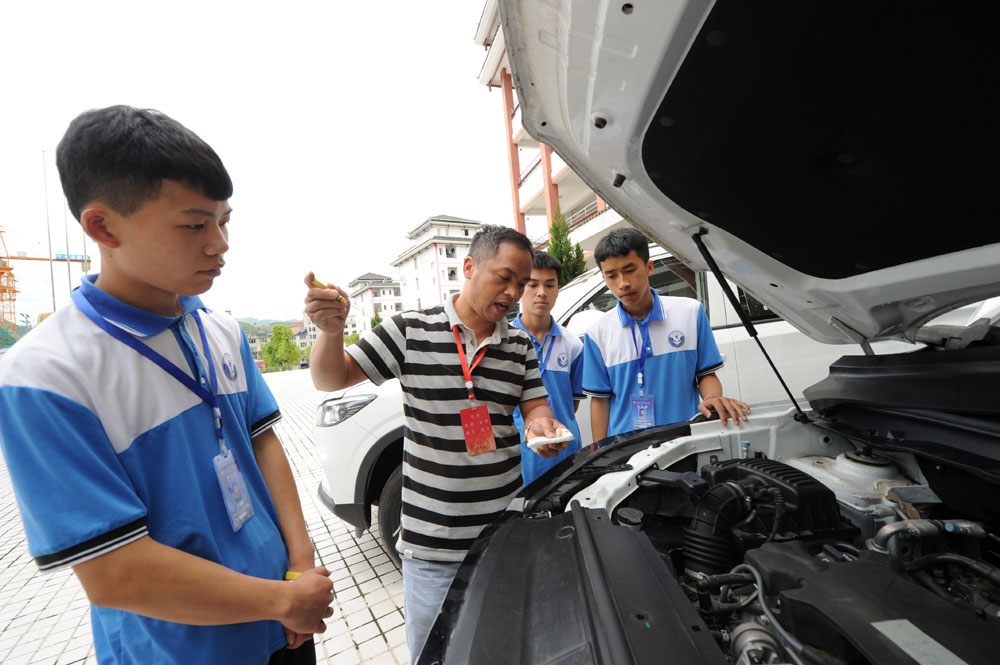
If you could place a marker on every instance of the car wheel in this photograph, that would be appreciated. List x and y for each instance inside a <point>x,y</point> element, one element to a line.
<point>390,510</point>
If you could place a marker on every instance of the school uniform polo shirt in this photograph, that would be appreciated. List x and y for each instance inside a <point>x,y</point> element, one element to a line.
<point>450,496</point>
<point>562,374</point>
<point>105,447</point>
<point>680,350</point>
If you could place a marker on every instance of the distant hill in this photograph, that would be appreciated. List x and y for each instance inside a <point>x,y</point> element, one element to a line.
<point>252,326</point>
<point>264,322</point>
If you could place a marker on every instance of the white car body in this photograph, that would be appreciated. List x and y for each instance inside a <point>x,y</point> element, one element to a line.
<point>360,453</point>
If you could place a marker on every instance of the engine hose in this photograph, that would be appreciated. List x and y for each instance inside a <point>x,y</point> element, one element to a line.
<point>927,581</point>
<point>983,569</point>
<point>921,528</point>
<point>806,652</point>
<point>708,541</point>
<point>779,512</point>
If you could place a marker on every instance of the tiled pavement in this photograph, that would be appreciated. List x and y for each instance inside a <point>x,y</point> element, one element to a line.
<point>44,619</point>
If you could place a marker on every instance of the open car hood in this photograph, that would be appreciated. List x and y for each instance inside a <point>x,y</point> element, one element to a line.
<point>838,157</point>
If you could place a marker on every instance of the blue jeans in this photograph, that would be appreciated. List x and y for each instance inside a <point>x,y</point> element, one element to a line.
<point>425,584</point>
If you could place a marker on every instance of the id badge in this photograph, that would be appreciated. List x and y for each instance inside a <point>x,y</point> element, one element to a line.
<point>234,489</point>
<point>643,415</point>
<point>478,430</point>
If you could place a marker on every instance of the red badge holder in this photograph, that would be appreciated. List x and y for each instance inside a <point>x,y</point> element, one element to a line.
<point>478,430</point>
<point>476,425</point>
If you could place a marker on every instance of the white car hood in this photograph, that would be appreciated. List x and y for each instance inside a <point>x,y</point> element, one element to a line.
<point>838,156</point>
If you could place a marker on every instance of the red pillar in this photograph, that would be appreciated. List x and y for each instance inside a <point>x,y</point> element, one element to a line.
<point>507,87</point>
<point>601,205</point>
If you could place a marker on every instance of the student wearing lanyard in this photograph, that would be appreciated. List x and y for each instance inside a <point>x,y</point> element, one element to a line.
<point>463,371</point>
<point>560,360</point>
<point>651,360</point>
<point>137,429</point>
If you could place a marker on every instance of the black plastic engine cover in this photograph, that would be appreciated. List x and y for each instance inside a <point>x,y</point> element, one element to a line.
<point>811,505</point>
<point>724,526</point>
<point>839,606</point>
<point>573,589</point>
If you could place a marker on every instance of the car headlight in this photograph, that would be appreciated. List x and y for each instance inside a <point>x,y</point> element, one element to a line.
<point>337,411</point>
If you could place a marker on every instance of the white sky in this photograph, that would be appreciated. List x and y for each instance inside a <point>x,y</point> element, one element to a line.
<point>343,124</point>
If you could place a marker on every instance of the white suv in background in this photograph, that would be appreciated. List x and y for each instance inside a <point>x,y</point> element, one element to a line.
<point>359,431</point>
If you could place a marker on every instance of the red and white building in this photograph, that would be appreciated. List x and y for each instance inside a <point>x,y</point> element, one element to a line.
<point>539,179</point>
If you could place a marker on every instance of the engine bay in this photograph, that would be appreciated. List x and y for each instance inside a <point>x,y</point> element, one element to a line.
<point>835,554</point>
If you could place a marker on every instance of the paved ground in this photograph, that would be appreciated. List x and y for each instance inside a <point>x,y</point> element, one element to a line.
<point>44,619</point>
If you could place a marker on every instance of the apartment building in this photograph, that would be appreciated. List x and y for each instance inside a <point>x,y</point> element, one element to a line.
<point>539,179</point>
<point>430,269</point>
<point>371,294</point>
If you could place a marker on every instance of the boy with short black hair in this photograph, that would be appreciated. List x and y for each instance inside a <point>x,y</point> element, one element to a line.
<point>137,429</point>
<point>652,360</point>
<point>560,360</point>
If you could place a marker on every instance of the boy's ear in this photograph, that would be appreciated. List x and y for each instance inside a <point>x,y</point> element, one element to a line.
<point>96,224</point>
<point>468,266</point>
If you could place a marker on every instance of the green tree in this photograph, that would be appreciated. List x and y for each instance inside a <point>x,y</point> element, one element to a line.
<point>351,339</point>
<point>281,350</point>
<point>376,320</point>
<point>569,256</point>
<point>6,339</point>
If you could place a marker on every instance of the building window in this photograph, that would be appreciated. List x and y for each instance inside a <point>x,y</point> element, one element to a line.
<point>449,252</point>
<point>418,303</point>
<point>452,274</point>
<point>466,233</point>
<point>417,280</point>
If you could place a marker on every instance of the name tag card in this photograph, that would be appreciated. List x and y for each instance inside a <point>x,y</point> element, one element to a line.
<point>478,430</point>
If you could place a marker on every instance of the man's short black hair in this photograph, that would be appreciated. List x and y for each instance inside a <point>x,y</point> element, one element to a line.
<point>545,261</point>
<point>619,243</point>
<point>486,243</point>
<point>121,155</point>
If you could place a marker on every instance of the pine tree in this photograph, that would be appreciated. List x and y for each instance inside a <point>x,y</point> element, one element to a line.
<point>569,256</point>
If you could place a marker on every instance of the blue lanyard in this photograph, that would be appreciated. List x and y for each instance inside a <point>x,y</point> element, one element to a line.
<point>545,363</point>
<point>644,330</point>
<point>539,347</point>
<point>207,396</point>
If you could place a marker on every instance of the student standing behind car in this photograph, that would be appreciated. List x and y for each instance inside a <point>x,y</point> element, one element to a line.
<point>560,360</point>
<point>463,370</point>
<point>137,428</point>
<point>649,360</point>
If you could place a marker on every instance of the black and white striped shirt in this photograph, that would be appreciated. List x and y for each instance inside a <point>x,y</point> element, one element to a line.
<point>449,496</point>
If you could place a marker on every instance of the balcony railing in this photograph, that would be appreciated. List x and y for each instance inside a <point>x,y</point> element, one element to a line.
<point>526,173</point>
<point>582,215</point>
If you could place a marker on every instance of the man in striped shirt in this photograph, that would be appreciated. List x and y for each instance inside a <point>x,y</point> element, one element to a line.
<point>463,371</point>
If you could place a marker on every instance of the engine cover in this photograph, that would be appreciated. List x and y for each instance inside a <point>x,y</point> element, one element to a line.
<point>866,611</point>
<point>735,516</point>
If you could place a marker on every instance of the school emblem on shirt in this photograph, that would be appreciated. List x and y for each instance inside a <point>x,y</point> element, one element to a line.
<point>229,367</point>
<point>676,339</point>
<point>563,360</point>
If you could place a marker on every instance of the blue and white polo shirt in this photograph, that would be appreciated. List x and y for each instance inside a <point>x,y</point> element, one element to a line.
<point>680,351</point>
<point>562,374</point>
<point>104,447</point>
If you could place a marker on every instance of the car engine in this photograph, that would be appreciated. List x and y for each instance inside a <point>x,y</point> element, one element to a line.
<point>819,559</point>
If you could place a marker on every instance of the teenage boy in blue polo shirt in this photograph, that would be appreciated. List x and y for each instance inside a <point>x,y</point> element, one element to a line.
<point>651,360</point>
<point>137,429</point>
<point>560,360</point>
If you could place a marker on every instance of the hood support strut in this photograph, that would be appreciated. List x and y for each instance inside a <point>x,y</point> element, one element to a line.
<point>747,323</point>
